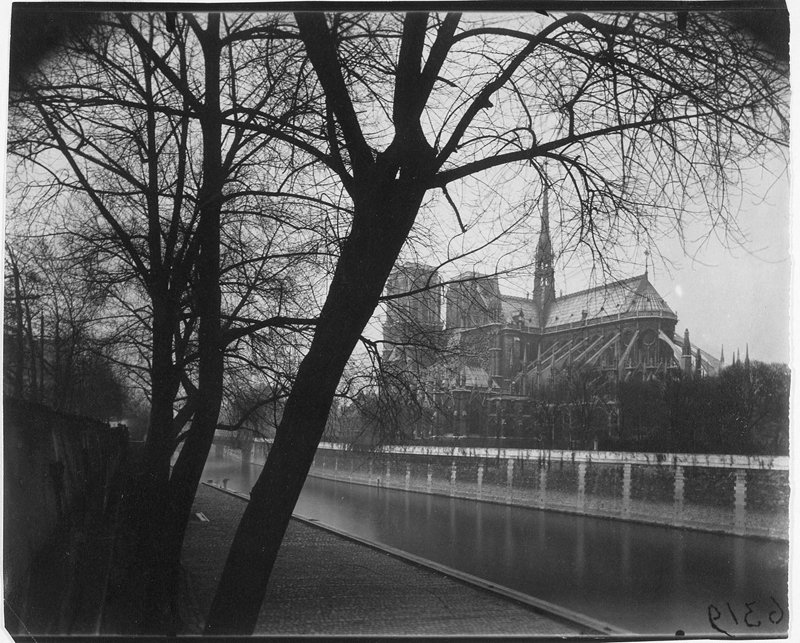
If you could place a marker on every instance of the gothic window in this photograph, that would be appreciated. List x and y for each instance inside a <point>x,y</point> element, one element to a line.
<point>649,346</point>
<point>516,351</point>
<point>509,351</point>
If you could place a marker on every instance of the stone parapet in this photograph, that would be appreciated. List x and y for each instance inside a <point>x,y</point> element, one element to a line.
<point>714,461</point>
<point>711,498</point>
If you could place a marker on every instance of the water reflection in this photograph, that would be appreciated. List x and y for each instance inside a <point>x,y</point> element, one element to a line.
<point>580,561</point>
<point>477,526</point>
<point>625,542</point>
<point>649,580</point>
<point>246,473</point>
<point>678,571</point>
<point>739,569</point>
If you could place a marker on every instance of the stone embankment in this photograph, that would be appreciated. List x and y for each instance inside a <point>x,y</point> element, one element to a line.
<point>741,495</point>
<point>63,477</point>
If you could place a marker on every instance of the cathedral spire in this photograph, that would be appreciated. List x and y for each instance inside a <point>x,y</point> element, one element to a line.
<point>544,288</point>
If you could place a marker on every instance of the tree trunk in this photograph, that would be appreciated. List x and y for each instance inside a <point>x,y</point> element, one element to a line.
<point>385,209</point>
<point>150,506</point>
<point>188,468</point>
<point>164,388</point>
<point>58,391</point>
<point>153,502</point>
<point>41,356</point>
<point>19,374</point>
<point>387,190</point>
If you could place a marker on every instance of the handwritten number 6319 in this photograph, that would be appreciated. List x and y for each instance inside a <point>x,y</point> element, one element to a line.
<point>750,617</point>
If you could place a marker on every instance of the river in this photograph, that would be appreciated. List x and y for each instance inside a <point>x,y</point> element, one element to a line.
<point>649,580</point>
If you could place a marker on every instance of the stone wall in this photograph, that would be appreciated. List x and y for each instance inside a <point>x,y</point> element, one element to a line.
<point>731,494</point>
<point>60,473</point>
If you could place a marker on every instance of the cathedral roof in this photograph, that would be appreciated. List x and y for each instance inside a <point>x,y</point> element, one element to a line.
<point>630,296</point>
<point>510,307</point>
<point>635,296</point>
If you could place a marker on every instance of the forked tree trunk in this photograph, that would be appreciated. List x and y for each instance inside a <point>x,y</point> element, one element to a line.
<point>151,501</point>
<point>164,495</point>
<point>381,222</point>
<point>387,191</point>
<point>188,468</point>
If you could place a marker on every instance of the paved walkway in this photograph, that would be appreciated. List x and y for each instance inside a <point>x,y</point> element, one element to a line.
<point>325,583</point>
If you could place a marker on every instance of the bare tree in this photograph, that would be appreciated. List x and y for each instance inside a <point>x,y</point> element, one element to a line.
<point>55,305</point>
<point>639,116</point>
<point>585,395</point>
<point>127,124</point>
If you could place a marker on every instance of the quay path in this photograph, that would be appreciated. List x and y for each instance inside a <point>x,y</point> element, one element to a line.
<point>325,583</point>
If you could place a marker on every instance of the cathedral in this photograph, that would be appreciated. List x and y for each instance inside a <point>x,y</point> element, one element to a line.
<point>497,353</point>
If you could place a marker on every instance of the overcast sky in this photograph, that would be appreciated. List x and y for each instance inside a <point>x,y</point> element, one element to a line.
<point>736,296</point>
<point>740,296</point>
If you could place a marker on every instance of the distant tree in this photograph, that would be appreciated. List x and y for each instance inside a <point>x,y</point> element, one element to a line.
<point>20,352</point>
<point>690,408</point>
<point>585,395</point>
<point>753,408</point>
<point>381,401</point>
<point>547,409</point>
<point>53,352</point>
<point>642,414</point>
<point>101,393</point>
<point>743,410</point>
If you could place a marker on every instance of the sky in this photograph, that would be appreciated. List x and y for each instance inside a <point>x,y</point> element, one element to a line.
<point>737,298</point>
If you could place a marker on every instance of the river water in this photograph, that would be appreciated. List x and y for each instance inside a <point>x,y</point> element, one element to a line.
<point>649,580</point>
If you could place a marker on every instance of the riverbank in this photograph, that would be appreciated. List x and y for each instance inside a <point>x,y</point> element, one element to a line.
<point>718,496</point>
<point>704,493</point>
<point>324,583</point>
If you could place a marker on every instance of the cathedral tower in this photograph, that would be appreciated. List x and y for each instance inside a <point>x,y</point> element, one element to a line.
<point>544,287</point>
<point>412,321</point>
